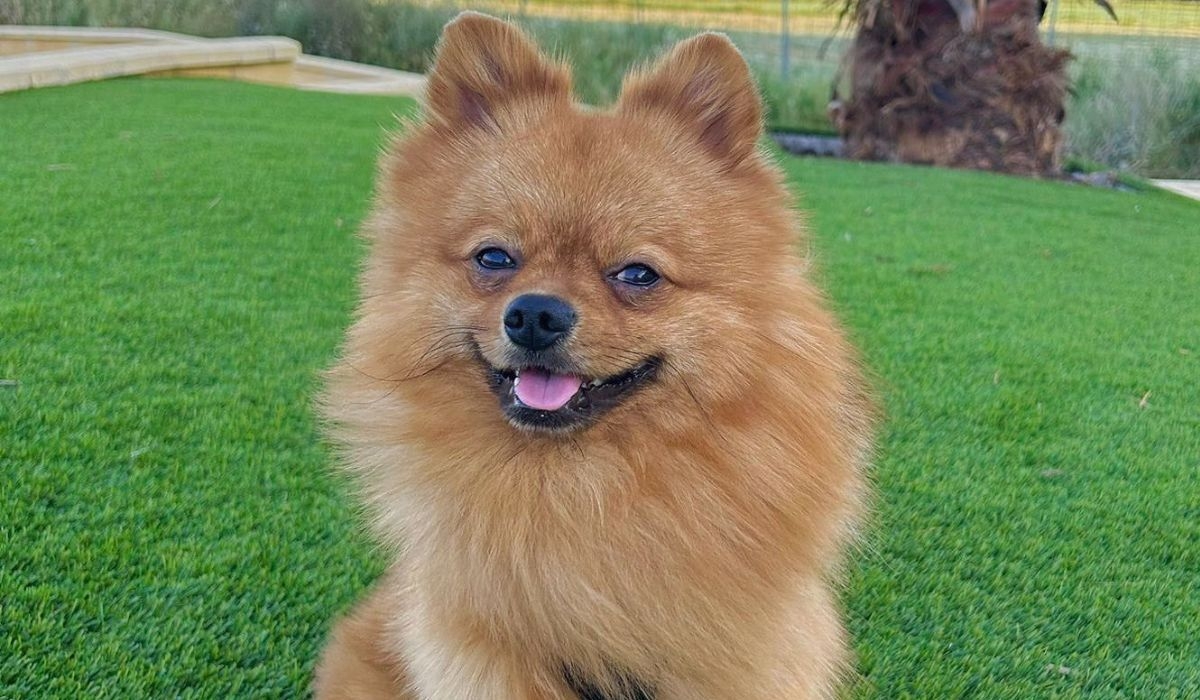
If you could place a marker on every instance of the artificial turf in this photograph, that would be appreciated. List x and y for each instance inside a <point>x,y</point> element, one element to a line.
<point>177,265</point>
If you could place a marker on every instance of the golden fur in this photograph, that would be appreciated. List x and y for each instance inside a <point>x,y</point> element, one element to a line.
<point>689,537</point>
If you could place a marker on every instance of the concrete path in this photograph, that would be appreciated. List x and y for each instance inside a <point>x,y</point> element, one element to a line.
<point>77,65</point>
<point>1187,188</point>
<point>32,57</point>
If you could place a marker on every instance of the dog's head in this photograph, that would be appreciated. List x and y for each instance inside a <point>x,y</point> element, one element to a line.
<point>549,266</point>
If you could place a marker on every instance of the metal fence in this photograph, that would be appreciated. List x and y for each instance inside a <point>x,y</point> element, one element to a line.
<point>786,33</point>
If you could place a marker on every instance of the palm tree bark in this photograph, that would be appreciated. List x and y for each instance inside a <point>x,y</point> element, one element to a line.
<point>926,90</point>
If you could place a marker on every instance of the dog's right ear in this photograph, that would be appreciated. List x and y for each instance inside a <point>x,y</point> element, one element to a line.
<point>489,75</point>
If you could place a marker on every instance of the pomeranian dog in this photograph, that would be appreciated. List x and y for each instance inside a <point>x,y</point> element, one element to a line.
<point>597,412</point>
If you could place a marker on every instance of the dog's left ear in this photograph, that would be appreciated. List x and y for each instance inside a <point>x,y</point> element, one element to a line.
<point>706,85</point>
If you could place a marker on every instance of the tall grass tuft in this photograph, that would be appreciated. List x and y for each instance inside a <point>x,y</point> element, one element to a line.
<point>602,52</point>
<point>211,18</point>
<point>1140,115</point>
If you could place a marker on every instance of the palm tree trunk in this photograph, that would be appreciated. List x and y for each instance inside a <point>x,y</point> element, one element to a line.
<point>968,87</point>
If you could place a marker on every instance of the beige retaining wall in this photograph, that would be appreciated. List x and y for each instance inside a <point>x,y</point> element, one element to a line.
<point>32,57</point>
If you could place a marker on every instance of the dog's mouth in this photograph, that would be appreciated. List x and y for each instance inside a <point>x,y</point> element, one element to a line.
<point>543,398</point>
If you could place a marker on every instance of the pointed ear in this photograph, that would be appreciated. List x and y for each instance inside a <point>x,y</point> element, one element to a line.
<point>483,68</point>
<point>705,84</point>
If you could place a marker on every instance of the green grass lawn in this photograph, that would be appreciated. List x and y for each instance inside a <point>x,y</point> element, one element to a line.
<point>177,266</point>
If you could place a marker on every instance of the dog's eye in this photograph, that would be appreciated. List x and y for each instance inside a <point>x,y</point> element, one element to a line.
<point>495,259</point>
<point>637,274</point>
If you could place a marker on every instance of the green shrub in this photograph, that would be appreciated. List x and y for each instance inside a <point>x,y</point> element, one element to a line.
<point>800,102</point>
<point>1137,112</point>
<point>210,18</point>
<point>403,35</point>
<point>602,52</point>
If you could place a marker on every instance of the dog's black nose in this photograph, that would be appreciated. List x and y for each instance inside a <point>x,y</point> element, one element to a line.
<point>537,321</point>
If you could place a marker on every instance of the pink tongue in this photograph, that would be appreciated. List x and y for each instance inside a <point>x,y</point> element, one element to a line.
<point>545,391</point>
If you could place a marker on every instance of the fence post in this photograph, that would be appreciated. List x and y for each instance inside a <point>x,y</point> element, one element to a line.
<point>785,42</point>
<point>1052,22</point>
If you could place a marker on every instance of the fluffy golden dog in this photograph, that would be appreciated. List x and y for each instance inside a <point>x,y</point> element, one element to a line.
<point>594,405</point>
